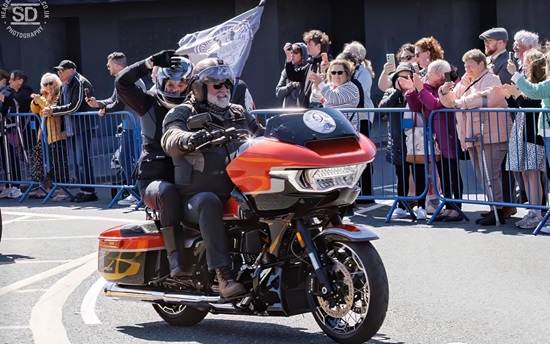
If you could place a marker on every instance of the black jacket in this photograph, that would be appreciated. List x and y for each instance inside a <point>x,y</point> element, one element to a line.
<point>74,101</point>
<point>203,170</point>
<point>300,74</point>
<point>393,98</point>
<point>153,163</point>
<point>22,97</point>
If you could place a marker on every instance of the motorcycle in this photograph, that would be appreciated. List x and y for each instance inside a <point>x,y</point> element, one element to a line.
<point>289,245</point>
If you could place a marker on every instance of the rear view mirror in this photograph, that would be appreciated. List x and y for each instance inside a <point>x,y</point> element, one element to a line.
<point>198,122</point>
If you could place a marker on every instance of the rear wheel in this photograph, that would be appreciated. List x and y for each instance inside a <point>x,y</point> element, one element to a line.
<point>180,315</point>
<point>358,309</point>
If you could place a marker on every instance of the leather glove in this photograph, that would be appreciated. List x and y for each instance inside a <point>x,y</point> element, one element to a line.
<point>199,138</point>
<point>163,58</point>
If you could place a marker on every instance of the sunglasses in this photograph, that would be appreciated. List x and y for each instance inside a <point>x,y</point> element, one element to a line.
<point>340,72</point>
<point>407,58</point>
<point>48,84</point>
<point>418,54</point>
<point>226,83</point>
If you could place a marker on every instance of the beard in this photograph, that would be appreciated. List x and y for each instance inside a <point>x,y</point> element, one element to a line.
<point>490,51</point>
<point>221,102</point>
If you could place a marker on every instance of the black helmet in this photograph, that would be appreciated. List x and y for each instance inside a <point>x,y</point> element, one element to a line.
<point>210,71</point>
<point>180,71</point>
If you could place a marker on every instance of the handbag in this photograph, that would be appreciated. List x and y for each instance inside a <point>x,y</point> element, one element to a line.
<point>414,142</point>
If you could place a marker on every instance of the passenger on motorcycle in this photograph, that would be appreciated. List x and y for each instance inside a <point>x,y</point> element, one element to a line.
<point>200,174</point>
<point>155,170</point>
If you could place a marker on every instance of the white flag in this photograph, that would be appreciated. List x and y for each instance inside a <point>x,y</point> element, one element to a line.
<point>230,41</point>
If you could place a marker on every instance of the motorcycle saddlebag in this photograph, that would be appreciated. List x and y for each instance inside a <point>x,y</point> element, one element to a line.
<point>131,254</point>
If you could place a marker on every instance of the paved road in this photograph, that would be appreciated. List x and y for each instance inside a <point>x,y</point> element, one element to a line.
<point>447,285</point>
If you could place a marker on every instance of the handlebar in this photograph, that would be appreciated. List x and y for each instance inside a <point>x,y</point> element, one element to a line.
<point>221,137</point>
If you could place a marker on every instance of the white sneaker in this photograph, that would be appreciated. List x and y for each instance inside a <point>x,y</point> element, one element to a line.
<point>421,214</point>
<point>525,219</point>
<point>15,192</point>
<point>431,206</point>
<point>399,213</point>
<point>532,223</point>
<point>5,192</point>
<point>130,200</point>
<point>545,230</point>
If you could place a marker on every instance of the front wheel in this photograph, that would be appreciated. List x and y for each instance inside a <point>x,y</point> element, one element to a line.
<point>358,309</point>
<point>180,315</point>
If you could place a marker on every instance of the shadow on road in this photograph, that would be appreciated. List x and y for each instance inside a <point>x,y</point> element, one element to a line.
<point>234,331</point>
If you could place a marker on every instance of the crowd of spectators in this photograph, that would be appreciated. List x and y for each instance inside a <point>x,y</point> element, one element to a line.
<point>419,82</point>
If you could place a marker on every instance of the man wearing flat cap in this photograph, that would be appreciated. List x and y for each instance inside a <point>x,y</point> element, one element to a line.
<point>495,40</point>
<point>78,128</point>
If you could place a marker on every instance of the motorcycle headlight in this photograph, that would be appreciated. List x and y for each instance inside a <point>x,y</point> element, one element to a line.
<point>325,179</point>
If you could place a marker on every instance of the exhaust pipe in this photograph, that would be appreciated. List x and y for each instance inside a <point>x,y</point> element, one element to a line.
<point>114,290</point>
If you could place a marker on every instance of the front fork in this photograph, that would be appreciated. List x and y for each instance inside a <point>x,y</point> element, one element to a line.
<point>320,261</point>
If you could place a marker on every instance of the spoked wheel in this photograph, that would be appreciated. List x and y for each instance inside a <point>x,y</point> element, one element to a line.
<point>356,312</point>
<point>180,315</point>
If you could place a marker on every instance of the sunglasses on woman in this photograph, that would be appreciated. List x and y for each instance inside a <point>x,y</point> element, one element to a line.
<point>50,83</point>
<point>228,84</point>
<point>339,72</point>
<point>407,58</point>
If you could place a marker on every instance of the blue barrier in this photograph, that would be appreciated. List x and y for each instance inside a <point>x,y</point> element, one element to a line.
<point>78,158</point>
<point>492,164</point>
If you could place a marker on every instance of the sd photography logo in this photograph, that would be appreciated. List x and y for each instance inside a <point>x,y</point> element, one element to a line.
<point>24,19</point>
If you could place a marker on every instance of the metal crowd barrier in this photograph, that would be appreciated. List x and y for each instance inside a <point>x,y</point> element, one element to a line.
<point>84,156</point>
<point>495,184</point>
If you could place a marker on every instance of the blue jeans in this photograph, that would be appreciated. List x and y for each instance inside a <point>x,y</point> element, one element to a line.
<point>80,147</point>
<point>127,155</point>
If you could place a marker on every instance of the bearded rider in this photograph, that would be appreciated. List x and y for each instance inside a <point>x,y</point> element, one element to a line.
<point>200,174</point>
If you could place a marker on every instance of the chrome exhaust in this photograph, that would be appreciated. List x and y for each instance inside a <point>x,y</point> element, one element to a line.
<point>114,290</point>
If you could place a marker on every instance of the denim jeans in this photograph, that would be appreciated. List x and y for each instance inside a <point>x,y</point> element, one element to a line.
<point>80,150</point>
<point>127,155</point>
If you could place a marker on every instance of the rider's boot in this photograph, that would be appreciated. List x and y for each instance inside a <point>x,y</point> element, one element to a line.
<point>169,234</point>
<point>229,287</point>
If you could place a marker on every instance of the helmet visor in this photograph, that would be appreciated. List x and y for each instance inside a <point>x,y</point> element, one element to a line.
<point>217,75</point>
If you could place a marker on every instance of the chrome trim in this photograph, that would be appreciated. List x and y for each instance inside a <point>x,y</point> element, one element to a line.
<point>114,290</point>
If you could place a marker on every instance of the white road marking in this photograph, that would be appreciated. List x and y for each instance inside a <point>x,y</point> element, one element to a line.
<point>30,291</point>
<point>52,238</point>
<point>18,219</point>
<point>379,204</point>
<point>87,308</point>
<point>23,261</point>
<point>48,273</point>
<point>69,217</point>
<point>2,328</point>
<point>47,314</point>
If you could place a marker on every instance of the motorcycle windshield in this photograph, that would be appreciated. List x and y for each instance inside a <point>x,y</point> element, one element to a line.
<point>311,125</point>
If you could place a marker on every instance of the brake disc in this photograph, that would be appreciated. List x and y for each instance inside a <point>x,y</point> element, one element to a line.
<point>346,292</point>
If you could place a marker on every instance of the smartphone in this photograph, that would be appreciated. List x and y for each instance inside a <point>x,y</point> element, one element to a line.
<point>447,76</point>
<point>324,56</point>
<point>511,55</point>
<point>414,67</point>
<point>390,58</point>
<point>86,93</point>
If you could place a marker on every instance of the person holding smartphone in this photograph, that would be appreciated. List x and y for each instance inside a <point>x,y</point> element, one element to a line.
<point>423,97</point>
<point>317,42</point>
<point>286,89</point>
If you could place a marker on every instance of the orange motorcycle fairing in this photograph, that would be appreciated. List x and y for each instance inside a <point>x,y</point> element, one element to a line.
<point>250,170</point>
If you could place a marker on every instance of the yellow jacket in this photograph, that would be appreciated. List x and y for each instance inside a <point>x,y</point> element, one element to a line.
<point>55,126</point>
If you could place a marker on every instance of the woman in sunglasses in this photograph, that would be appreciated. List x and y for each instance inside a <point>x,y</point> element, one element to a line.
<point>405,54</point>
<point>50,86</point>
<point>338,91</point>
